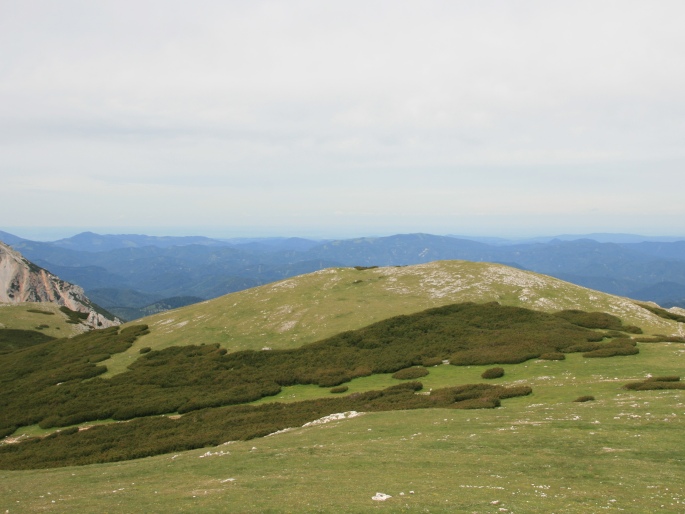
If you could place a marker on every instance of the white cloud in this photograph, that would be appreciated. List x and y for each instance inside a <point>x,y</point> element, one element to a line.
<point>396,108</point>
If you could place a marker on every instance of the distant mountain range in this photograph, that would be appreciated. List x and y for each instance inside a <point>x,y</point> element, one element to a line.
<point>135,275</point>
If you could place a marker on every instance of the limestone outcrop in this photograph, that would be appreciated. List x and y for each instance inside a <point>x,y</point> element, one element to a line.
<point>22,281</point>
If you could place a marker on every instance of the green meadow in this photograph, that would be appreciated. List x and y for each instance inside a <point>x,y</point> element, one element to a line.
<point>622,452</point>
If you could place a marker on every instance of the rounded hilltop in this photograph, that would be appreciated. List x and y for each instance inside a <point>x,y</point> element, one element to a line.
<point>306,308</point>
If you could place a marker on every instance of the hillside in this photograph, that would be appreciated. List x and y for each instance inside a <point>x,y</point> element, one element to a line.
<point>309,307</point>
<point>46,318</point>
<point>542,450</point>
<point>21,281</point>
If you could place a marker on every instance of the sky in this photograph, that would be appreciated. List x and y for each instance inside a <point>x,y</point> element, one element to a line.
<point>342,119</point>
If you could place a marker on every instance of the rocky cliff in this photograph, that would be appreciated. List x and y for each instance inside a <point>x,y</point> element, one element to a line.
<point>22,281</point>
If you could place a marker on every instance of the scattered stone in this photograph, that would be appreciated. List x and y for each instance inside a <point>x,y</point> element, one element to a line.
<point>334,417</point>
<point>381,497</point>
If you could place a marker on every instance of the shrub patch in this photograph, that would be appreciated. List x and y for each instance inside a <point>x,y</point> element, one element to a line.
<point>493,373</point>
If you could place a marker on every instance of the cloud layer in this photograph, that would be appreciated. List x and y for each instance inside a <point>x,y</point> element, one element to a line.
<point>484,117</point>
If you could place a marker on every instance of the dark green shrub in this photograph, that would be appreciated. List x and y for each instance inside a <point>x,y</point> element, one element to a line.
<point>4,432</point>
<point>493,373</point>
<point>667,378</point>
<point>339,389</point>
<point>656,383</point>
<point>145,349</point>
<point>591,319</point>
<point>49,422</point>
<point>612,352</point>
<point>99,357</point>
<point>661,339</point>
<point>429,362</point>
<point>581,347</point>
<point>469,391</point>
<point>415,385</point>
<point>553,356</point>
<point>74,317</point>
<point>512,392</point>
<point>332,379</point>
<point>196,378</point>
<point>501,355</point>
<point>663,313</point>
<point>478,403</point>
<point>410,373</point>
<point>586,398</point>
<point>144,437</point>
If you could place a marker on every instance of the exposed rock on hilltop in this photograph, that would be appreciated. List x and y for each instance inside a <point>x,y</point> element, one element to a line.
<point>307,308</point>
<point>22,281</point>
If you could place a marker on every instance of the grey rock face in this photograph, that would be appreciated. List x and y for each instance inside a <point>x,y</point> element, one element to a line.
<point>22,281</point>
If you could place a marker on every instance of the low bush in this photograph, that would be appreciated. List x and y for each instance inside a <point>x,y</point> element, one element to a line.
<point>74,317</point>
<point>478,403</point>
<point>663,313</point>
<point>661,339</point>
<point>553,356</point>
<point>654,385</point>
<point>410,373</point>
<point>98,357</point>
<point>339,389</point>
<point>4,432</point>
<point>581,347</point>
<point>195,377</point>
<point>586,398</point>
<point>667,378</point>
<point>149,436</point>
<point>429,362</point>
<point>145,349</point>
<point>514,391</point>
<point>592,319</point>
<point>501,355</point>
<point>407,386</point>
<point>493,373</point>
<point>612,352</point>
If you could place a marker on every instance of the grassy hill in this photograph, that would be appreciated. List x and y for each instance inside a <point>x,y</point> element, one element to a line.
<point>310,307</point>
<point>542,452</point>
<point>45,317</point>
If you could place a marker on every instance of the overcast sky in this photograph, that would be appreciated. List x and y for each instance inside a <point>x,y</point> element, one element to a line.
<point>346,118</point>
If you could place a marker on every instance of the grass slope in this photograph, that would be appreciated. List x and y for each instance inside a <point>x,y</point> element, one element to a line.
<point>310,307</point>
<point>540,453</point>
<point>56,384</point>
<point>31,316</point>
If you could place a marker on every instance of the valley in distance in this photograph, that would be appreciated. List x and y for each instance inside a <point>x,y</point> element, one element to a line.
<point>404,373</point>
